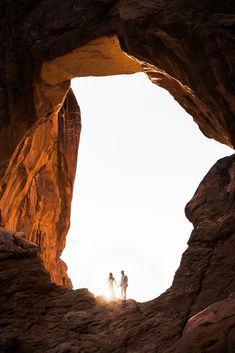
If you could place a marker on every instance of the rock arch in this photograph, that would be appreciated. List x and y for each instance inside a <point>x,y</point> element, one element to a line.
<point>183,46</point>
<point>52,44</point>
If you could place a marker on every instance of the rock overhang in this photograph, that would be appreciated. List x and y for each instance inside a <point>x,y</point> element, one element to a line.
<point>187,48</point>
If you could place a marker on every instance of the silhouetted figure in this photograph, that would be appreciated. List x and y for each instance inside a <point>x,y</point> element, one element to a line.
<point>123,284</point>
<point>111,279</point>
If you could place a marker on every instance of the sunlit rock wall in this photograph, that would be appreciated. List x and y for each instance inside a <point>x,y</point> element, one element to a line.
<point>36,188</point>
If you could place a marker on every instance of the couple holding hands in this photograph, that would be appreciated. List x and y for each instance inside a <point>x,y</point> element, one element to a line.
<point>123,285</point>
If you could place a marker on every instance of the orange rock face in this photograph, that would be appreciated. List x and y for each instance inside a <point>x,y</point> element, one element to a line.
<point>36,190</point>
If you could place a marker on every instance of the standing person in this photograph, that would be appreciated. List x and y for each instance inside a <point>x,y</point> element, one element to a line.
<point>123,284</point>
<point>111,279</point>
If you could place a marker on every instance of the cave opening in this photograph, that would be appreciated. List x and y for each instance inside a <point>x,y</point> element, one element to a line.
<point>141,158</point>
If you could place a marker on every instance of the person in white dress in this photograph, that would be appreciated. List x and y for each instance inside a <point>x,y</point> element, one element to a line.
<point>111,281</point>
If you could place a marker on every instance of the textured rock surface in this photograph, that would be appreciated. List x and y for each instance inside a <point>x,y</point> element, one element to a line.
<point>100,57</point>
<point>208,263</point>
<point>36,188</point>
<point>211,330</point>
<point>186,47</point>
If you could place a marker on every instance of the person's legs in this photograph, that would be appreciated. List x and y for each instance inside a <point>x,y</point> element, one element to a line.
<point>124,292</point>
<point>111,292</point>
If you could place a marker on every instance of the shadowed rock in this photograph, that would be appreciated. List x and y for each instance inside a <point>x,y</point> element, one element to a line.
<point>186,47</point>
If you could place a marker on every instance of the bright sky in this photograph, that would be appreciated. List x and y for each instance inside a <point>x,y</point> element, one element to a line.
<point>141,158</point>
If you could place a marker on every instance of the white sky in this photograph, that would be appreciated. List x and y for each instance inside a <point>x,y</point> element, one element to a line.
<point>141,158</point>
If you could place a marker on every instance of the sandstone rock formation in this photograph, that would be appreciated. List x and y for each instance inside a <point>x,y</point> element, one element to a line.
<point>219,335</point>
<point>186,47</point>
<point>36,189</point>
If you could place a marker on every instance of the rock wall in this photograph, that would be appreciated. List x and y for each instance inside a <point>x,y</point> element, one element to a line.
<point>184,47</point>
<point>187,48</point>
<point>36,188</point>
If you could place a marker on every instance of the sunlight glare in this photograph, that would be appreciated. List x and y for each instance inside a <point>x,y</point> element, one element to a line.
<point>141,158</point>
